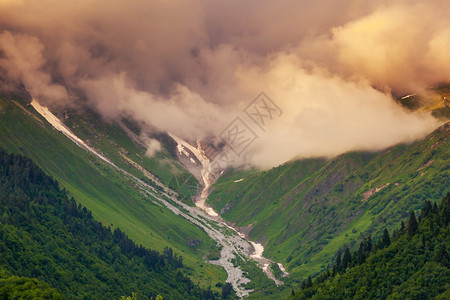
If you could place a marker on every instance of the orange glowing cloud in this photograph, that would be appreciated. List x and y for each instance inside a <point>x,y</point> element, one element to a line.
<point>189,67</point>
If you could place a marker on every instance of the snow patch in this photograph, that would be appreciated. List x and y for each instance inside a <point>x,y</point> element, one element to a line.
<point>407,96</point>
<point>206,171</point>
<point>259,249</point>
<point>181,150</point>
<point>283,269</point>
<point>60,126</point>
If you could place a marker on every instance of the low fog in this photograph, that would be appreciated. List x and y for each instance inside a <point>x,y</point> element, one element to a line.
<point>191,67</point>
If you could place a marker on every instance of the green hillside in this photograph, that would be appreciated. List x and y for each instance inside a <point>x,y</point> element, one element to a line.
<point>413,263</point>
<point>111,139</point>
<point>304,211</point>
<point>112,199</point>
<point>46,235</point>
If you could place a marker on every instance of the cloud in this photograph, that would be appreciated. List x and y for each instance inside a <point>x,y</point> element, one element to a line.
<point>398,46</point>
<point>324,114</point>
<point>190,67</point>
<point>23,63</point>
<point>153,146</point>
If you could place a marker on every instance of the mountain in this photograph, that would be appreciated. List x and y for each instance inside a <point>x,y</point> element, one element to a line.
<point>304,211</point>
<point>48,236</point>
<point>415,265</point>
<point>105,174</point>
<point>125,143</point>
<point>112,198</point>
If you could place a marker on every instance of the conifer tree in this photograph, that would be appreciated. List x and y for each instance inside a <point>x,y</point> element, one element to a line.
<point>338,261</point>
<point>308,282</point>
<point>347,259</point>
<point>402,227</point>
<point>412,224</point>
<point>385,240</point>
<point>446,209</point>
<point>435,208</point>
<point>368,244</point>
<point>303,286</point>
<point>426,210</point>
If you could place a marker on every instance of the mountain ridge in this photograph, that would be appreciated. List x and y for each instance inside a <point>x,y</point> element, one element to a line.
<point>355,193</point>
<point>290,207</point>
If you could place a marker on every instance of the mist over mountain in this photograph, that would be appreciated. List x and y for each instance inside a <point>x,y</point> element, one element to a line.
<point>194,149</point>
<point>191,67</point>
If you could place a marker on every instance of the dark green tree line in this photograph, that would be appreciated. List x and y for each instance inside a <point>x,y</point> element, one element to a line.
<point>413,263</point>
<point>46,235</point>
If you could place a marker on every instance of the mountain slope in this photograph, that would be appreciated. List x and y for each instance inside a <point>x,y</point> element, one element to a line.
<point>124,143</point>
<point>46,235</point>
<point>304,211</point>
<point>112,198</point>
<point>415,265</point>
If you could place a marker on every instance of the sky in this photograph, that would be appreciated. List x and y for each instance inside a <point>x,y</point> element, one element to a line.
<point>191,68</point>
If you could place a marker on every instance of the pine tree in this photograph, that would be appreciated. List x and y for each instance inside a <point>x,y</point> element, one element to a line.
<point>303,285</point>
<point>338,261</point>
<point>368,244</point>
<point>435,208</point>
<point>347,259</point>
<point>446,209</point>
<point>308,282</point>
<point>412,224</point>
<point>359,256</point>
<point>426,210</point>
<point>385,240</point>
<point>394,234</point>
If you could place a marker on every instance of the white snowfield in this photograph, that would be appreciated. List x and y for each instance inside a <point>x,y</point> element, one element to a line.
<point>206,171</point>
<point>206,218</point>
<point>58,125</point>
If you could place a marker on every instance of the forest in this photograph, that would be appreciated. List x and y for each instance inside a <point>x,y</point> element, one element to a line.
<point>52,247</point>
<point>411,263</point>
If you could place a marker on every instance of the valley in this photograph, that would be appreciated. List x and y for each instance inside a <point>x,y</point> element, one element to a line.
<point>112,198</point>
<point>306,210</point>
<point>224,150</point>
<point>349,174</point>
<point>232,242</point>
